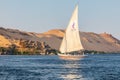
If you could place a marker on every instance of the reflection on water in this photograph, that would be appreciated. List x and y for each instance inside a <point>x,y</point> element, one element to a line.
<point>73,71</point>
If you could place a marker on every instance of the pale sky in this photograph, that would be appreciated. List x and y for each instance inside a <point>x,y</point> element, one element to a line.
<point>42,15</point>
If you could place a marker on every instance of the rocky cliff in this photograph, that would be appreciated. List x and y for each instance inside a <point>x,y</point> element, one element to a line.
<point>91,41</point>
<point>103,42</point>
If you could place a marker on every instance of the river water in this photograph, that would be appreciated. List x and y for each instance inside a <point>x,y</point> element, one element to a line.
<point>37,67</point>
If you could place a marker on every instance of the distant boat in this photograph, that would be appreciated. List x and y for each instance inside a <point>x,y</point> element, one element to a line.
<point>71,46</point>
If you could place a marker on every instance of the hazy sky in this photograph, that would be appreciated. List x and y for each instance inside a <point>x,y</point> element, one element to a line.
<point>42,15</point>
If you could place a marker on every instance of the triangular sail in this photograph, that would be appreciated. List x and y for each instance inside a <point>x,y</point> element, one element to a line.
<point>71,40</point>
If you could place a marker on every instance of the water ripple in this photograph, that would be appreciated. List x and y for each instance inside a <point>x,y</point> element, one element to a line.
<point>93,67</point>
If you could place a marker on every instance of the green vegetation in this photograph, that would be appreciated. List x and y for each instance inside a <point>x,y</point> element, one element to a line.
<point>93,51</point>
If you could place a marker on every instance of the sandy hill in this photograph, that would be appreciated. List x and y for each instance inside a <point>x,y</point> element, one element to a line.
<point>55,32</point>
<point>4,42</point>
<point>91,41</point>
<point>100,42</point>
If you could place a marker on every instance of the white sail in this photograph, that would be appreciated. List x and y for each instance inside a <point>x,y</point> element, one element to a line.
<point>71,40</point>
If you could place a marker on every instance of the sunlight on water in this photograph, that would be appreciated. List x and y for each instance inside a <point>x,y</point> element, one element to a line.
<point>73,73</point>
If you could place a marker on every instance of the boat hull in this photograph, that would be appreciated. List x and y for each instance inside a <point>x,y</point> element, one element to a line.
<point>70,57</point>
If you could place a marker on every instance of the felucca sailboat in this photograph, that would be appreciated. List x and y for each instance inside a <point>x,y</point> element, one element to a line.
<point>71,46</point>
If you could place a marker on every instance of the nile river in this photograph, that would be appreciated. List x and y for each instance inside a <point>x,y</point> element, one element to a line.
<point>37,67</point>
